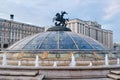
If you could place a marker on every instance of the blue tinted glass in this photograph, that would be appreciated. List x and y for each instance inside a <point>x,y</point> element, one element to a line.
<point>94,43</point>
<point>57,40</point>
<point>85,46</point>
<point>65,42</point>
<point>82,44</point>
<point>50,42</point>
<point>35,42</point>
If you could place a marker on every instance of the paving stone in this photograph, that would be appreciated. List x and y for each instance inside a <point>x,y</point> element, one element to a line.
<point>115,72</point>
<point>114,76</point>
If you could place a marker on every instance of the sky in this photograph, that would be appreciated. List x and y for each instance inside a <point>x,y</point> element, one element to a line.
<point>41,12</point>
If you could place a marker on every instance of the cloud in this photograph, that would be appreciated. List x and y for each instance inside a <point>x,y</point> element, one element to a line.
<point>41,12</point>
<point>38,11</point>
<point>112,9</point>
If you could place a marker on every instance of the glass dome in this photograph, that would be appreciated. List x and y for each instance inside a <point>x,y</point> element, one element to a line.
<point>57,40</point>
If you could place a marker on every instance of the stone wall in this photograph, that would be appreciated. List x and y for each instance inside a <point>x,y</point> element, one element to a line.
<point>67,72</point>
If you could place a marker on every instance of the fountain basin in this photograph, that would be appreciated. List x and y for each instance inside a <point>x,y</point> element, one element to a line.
<point>65,72</point>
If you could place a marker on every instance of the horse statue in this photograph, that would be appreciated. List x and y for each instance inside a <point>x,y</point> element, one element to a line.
<point>60,21</point>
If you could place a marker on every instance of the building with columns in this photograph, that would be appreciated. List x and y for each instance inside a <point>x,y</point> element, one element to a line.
<point>12,31</point>
<point>93,30</point>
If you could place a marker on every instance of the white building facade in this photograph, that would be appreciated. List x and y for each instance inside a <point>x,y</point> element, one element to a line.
<point>12,31</point>
<point>93,30</point>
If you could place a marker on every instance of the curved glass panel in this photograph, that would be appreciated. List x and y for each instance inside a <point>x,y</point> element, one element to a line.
<point>65,42</point>
<point>35,42</point>
<point>95,44</point>
<point>57,40</point>
<point>50,42</point>
<point>80,41</point>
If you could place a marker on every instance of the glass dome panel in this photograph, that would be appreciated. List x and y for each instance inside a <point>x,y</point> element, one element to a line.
<point>65,42</point>
<point>33,44</point>
<point>50,42</point>
<point>94,43</point>
<point>81,43</point>
<point>57,40</point>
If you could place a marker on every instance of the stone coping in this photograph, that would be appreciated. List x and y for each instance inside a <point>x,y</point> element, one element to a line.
<point>84,79</point>
<point>61,67</point>
<point>18,73</point>
<point>39,77</point>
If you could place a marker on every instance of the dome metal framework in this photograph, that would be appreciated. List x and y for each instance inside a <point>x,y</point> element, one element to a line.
<point>57,40</point>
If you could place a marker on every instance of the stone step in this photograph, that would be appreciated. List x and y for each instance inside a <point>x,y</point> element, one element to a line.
<point>83,79</point>
<point>97,79</point>
<point>39,77</point>
<point>114,76</point>
<point>115,72</point>
<point>18,73</point>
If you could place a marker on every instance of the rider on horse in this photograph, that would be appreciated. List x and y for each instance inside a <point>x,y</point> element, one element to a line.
<point>60,21</point>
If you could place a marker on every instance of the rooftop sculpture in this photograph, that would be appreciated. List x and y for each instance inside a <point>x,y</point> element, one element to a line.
<point>60,20</point>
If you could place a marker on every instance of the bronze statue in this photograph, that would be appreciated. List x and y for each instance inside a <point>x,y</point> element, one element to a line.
<point>60,21</point>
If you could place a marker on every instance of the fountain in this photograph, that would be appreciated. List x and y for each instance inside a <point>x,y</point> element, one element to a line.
<point>118,61</point>
<point>90,64</point>
<point>55,64</point>
<point>73,62</point>
<point>106,59</point>
<point>37,61</point>
<point>19,63</point>
<point>4,61</point>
